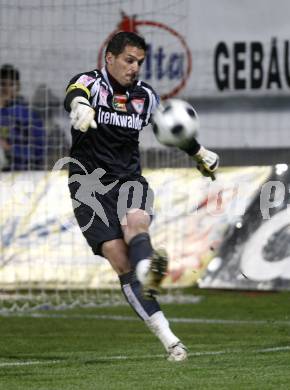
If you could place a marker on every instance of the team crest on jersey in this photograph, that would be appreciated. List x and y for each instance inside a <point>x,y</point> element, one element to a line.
<point>119,103</point>
<point>138,105</point>
<point>103,96</point>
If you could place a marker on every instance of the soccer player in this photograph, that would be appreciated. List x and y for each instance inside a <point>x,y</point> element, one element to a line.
<point>112,200</point>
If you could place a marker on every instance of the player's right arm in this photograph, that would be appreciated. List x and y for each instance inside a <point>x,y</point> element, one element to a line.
<point>77,101</point>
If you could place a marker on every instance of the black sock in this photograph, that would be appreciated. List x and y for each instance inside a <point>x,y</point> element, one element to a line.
<point>140,248</point>
<point>131,288</point>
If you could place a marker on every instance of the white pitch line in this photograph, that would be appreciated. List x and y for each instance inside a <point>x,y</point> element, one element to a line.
<point>131,318</point>
<point>28,363</point>
<point>239,351</point>
<point>228,322</point>
<point>140,357</point>
<point>273,349</point>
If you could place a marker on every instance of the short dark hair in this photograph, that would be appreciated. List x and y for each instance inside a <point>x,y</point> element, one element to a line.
<point>8,72</point>
<point>120,40</point>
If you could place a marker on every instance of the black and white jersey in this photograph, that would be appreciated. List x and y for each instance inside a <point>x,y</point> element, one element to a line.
<point>114,145</point>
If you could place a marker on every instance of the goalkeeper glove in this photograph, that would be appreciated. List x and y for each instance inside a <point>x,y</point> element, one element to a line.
<point>82,114</point>
<point>207,162</point>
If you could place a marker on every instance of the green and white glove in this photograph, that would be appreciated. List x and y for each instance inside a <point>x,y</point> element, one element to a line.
<point>207,162</point>
<point>82,114</point>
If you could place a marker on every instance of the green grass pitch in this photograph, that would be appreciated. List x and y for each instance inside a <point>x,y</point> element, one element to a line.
<point>235,340</point>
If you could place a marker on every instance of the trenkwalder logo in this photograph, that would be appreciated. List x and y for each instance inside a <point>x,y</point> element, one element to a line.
<point>168,62</point>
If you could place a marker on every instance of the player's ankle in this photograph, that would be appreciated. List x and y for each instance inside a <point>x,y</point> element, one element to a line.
<point>159,325</point>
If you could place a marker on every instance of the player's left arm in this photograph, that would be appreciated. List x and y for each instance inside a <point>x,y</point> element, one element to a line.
<point>207,161</point>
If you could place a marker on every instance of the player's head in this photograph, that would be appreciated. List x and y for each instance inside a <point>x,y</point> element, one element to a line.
<point>124,55</point>
<point>9,81</point>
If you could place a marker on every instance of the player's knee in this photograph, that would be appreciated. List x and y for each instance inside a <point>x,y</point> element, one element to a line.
<point>136,222</point>
<point>122,269</point>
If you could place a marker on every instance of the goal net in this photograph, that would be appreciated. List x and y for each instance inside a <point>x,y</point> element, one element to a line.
<point>44,259</point>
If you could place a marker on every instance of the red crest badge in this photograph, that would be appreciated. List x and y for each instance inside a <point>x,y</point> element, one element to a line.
<point>138,105</point>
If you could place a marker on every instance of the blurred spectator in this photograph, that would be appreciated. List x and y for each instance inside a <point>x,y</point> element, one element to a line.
<point>22,136</point>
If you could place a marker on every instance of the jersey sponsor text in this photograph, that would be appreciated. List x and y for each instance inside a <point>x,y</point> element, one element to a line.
<point>113,118</point>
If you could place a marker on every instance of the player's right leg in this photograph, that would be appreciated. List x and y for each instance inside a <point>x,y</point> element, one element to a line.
<point>150,271</point>
<point>135,216</point>
<point>150,264</point>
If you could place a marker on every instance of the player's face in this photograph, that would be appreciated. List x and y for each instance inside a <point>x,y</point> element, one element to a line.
<point>125,66</point>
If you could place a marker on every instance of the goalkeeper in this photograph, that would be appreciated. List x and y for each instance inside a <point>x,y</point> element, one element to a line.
<point>113,201</point>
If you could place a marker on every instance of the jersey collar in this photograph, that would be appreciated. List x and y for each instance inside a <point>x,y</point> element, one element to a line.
<point>113,84</point>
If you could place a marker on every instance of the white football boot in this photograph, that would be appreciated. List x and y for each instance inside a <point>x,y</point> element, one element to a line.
<point>177,352</point>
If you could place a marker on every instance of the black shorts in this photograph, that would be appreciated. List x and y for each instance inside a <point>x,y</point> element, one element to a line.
<point>99,211</point>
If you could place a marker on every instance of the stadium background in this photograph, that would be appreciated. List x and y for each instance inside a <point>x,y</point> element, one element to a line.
<point>237,78</point>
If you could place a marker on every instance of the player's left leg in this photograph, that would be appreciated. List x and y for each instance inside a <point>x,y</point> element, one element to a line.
<point>150,267</point>
<point>147,309</point>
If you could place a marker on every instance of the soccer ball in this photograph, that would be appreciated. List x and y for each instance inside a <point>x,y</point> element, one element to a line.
<point>175,123</point>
